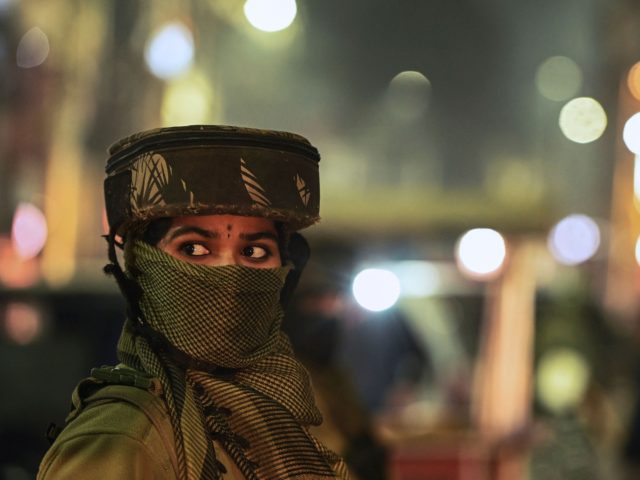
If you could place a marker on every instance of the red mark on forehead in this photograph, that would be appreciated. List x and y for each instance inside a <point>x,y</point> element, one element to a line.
<point>229,228</point>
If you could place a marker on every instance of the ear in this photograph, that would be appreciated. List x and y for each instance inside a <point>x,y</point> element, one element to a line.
<point>299,253</point>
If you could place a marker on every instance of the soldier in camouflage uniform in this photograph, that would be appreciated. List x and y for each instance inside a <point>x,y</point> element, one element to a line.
<point>208,386</point>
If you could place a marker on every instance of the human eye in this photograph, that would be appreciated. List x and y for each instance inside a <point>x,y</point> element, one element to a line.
<point>256,252</point>
<point>194,249</point>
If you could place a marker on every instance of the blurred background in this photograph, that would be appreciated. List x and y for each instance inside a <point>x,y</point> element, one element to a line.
<point>471,308</point>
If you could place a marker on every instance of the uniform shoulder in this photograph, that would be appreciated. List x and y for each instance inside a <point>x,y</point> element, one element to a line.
<point>117,400</point>
<point>126,423</point>
<point>117,409</point>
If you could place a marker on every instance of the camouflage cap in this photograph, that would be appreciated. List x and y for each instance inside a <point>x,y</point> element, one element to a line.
<point>212,169</point>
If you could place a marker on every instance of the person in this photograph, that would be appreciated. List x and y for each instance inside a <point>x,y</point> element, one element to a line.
<point>208,386</point>
<point>315,323</point>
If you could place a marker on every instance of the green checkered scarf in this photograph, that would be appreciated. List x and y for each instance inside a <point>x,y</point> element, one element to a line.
<point>252,397</point>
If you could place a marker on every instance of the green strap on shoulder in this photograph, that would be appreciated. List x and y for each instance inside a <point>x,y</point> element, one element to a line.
<point>120,375</point>
<point>101,377</point>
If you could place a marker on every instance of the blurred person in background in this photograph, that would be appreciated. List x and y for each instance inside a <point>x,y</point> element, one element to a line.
<point>208,386</point>
<point>315,323</point>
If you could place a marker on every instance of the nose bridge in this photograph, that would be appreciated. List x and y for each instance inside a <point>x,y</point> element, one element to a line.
<point>226,256</point>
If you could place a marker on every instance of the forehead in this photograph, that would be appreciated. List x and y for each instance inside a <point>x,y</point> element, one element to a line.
<point>225,222</point>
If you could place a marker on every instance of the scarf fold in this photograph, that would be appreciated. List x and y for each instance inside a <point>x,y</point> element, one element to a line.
<point>259,406</point>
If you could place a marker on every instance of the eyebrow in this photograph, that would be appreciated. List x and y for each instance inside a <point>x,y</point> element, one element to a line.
<point>180,231</point>
<point>252,237</point>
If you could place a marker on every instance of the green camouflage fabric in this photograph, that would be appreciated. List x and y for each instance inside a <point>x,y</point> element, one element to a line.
<point>212,169</point>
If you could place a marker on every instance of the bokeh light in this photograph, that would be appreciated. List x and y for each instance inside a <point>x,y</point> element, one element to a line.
<point>187,101</point>
<point>417,278</point>
<point>636,178</point>
<point>583,120</point>
<point>562,379</point>
<point>23,323</point>
<point>574,239</point>
<point>28,230</point>
<point>376,289</point>
<point>638,250</point>
<point>170,50</point>
<point>513,180</point>
<point>16,272</point>
<point>270,15</point>
<point>6,4</point>
<point>633,81</point>
<point>558,78</point>
<point>408,94</point>
<point>33,49</point>
<point>631,133</point>
<point>480,253</point>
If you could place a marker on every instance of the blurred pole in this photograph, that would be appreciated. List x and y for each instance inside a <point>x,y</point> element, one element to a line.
<point>503,379</point>
<point>78,33</point>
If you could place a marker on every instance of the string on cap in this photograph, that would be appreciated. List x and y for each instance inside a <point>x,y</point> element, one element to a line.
<point>130,289</point>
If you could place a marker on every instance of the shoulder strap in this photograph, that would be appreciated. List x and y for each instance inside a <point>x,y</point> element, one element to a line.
<point>107,375</point>
<point>123,375</point>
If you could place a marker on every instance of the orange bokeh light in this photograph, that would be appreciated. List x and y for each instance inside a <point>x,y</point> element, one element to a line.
<point>633,81</point>
<point>15,271</point>
<point>22,323</point>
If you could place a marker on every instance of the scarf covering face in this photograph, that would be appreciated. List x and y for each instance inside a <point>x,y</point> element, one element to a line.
<point>259,405</point>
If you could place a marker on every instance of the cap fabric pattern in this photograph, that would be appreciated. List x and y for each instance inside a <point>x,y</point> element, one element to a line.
<point>260,405</point>
<point>209,169</point>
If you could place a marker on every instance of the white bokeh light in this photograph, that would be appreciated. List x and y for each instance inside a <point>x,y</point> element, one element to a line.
<point>417,278</point>
<point>638,251</point>
<point>408,94</point>
<point>270,15</point>
<point>636,177</point>
<point>558,78</point>
<point>631,133</point>
<point>480,253</point>
<point>33,49</point>
<point>376,289</point>
<point>28,231</point>
<point>583,120</point>
<point>574,239</point>
<point>170,51</point>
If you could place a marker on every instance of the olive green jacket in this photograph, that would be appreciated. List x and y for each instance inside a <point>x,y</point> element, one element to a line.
<point>117,432</point>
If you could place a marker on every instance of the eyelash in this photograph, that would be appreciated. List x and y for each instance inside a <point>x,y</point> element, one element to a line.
<point>267,251</point>
<point>183,249</point>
